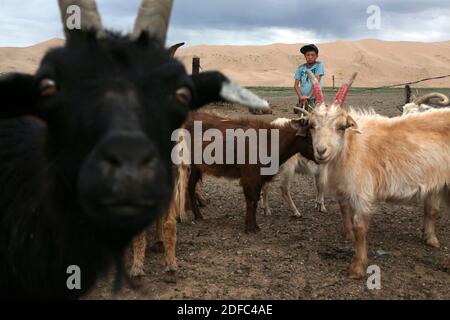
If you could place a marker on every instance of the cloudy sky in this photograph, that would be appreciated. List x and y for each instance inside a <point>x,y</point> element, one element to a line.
<point>27,22</point>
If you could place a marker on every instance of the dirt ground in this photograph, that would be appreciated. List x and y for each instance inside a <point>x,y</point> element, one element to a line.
<point>295,258</point>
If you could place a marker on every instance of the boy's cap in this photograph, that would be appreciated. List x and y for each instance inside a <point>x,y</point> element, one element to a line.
<point>309,47</point>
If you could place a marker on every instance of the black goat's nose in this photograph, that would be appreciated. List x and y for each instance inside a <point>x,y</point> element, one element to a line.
<point>321,151</point>
<point>128,152</point>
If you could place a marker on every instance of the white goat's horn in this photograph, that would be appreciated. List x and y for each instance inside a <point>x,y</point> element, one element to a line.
<point>316,88</point>
<point>90,17</point>
<point>306,113</point>
<point>154,18</point>
<point>444,100</point>
<point>343,91</point>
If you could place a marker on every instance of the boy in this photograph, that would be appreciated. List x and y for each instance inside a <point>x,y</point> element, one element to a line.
<point>303,85</point>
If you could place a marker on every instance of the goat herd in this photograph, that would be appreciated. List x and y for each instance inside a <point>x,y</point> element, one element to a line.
<point>86,143</point>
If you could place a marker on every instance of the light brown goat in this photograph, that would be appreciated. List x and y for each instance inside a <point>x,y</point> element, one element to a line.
<point>372,158</point>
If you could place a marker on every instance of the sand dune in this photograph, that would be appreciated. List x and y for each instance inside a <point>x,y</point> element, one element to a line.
<point>378,62</point>
<point>25,59</point>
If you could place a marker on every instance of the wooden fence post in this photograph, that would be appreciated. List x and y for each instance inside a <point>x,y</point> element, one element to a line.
<point>196,65</point>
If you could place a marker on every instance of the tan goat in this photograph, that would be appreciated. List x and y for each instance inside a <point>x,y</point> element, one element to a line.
<point>166,230</point>
<point>166,225</point>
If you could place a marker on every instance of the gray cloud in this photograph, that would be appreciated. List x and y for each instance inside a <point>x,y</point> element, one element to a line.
<point>327,19</point>
<point>249,21</point>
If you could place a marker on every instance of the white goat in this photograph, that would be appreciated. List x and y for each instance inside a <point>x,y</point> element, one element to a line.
<point>373,158</point>
<point>295,165</point>
<point>420,104</point>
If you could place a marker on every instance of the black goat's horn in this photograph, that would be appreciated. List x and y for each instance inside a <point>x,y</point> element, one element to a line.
<point>173,49</point>
<point>89,16</point>
<point>154,18</point>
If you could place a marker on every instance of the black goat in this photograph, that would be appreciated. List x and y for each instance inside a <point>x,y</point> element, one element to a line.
<point>85,147</point>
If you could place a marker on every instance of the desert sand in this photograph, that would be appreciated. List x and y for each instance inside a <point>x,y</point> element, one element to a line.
<point>378,62</point>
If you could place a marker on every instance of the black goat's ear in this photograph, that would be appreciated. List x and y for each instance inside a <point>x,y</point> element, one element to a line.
<point>215,87</point>
<point>301,125</point>
<point>16,95</point>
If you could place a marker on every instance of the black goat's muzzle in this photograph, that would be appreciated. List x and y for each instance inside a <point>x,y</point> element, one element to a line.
<point>123,184</point>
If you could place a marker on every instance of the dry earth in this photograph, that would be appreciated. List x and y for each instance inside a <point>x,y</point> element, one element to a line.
<point>291,258</point>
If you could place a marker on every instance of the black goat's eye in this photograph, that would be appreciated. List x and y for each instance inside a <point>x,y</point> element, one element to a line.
<point>184,95</point>
<point>47,87</point>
